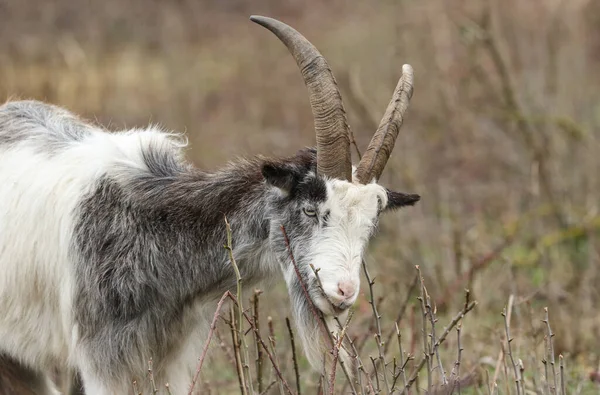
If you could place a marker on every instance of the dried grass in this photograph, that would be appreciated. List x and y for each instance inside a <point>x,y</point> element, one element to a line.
<point>501,141</point>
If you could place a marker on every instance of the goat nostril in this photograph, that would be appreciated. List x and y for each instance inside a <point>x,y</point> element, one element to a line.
<point>346,289</point>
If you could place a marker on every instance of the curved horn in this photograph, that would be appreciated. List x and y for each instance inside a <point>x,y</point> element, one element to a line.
<point>374,159</point>
<point>331,126</point>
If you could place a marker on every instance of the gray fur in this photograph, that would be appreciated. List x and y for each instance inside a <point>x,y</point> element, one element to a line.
<point>48,128</point>
<point>149,245</point>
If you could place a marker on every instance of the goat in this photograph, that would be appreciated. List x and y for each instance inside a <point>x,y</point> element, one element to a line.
<point>111,244</point>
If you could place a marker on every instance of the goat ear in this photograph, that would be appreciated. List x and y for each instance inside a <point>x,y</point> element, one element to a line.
<point>399,199</point>
<point>280,175</point>
<point>307,159</point>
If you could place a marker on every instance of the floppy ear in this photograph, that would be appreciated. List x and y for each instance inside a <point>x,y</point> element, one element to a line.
<point>399,199</point>
<point>281,175</point>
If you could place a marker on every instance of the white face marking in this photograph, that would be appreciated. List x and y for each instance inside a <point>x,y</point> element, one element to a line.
<point>348,219</point>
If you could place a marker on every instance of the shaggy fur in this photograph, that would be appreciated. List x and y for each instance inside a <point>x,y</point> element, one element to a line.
<point>111,244</point>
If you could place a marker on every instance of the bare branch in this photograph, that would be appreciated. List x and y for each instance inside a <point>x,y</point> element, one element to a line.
<point>336,353</point>
<point>151,377</point>
<point>259,354</point>
<point>435,350</point>
<point>441,339</point>
<point>294,358</point>
<point>426,346</point>
<point>550,348</point>
<point>510,355</point>
<point>401,312</point>
<point>562,375</point>
<point>403,364</point>
<point>313,309</point>
<point>265,347</point>
<point>266,391</point>
<point>236,350</point>
<point>213,325</point>
<point>458,358</point>
<point>245,372</point>
<point>377,317</point>
<point>136,390</point>
<point>273,344</point>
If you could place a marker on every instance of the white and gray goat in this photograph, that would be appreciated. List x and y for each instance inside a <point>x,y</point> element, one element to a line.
<point>111,244</point>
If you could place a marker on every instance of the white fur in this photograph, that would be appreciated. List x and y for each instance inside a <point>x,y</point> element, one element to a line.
<point>338,249</point>
<point>336,252</point>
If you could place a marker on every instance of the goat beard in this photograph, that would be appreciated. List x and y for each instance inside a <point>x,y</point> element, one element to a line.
<point>312,326</point>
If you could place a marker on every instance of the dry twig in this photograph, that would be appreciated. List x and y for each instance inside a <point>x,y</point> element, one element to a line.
<point>273,344</point>
<point>241,338</point>
<point>377,318</point>
<point>456,368</point>
<point>265,347</point>
<point>426,345</point>
<point>294,358</point>
<point>259,354</point>
<point>213,325</point>
<point>336,353</point>
<point>151,377</point>
<point>136,390</point>
<point>510,355</point>
<point>550,348</point>
<point>468,307</point>
<point>562,375</point>
<point>236,348</point>
<point>401,312</point>
<point>403,363</point>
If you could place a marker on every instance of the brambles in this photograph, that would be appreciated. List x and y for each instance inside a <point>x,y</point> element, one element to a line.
<point>398,371</point>
<point>380,378</point>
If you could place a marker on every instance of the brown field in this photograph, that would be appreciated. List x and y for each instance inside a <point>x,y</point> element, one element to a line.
<point>502,141</point>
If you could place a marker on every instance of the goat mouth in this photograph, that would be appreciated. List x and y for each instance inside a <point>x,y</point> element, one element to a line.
<point>334,309</point>
<point>326,305</point>
<point>339,309</point>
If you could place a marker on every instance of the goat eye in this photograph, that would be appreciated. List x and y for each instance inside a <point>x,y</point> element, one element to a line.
<point>309,212</point>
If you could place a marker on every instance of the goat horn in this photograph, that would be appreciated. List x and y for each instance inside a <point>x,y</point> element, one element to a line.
<point>380,148</point>
<point>331,126</point>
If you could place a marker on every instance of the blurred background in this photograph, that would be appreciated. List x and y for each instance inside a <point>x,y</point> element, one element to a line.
<point>501,139</point>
